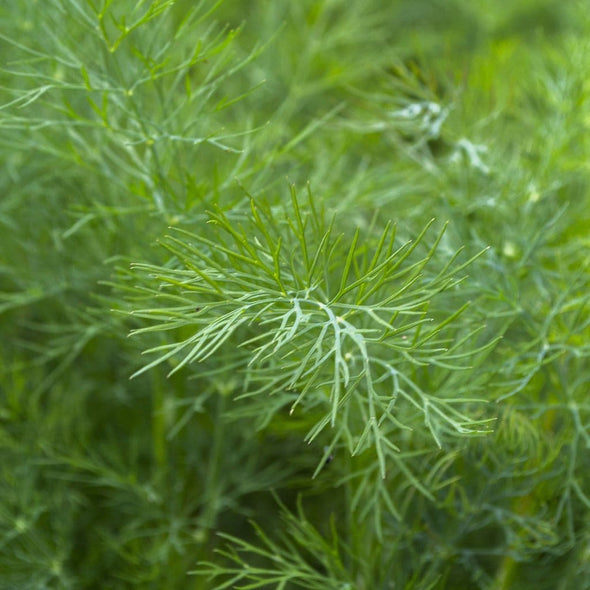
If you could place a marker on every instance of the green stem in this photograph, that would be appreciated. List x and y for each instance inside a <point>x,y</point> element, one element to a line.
<point>159,425</point>
<point>213,485</point>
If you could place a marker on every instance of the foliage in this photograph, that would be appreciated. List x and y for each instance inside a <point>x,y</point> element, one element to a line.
<point>351,240</point>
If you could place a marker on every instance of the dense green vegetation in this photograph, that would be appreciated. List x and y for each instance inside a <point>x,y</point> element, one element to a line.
<point>295,295</point>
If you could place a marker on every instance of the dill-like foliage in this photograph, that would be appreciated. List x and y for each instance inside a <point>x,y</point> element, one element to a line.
<point>349,243</point>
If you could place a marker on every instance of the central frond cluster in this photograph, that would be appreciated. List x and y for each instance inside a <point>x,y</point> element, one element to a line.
<point>326,325</point>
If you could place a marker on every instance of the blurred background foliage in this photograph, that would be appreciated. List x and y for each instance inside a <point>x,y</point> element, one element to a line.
<point>120,119</point>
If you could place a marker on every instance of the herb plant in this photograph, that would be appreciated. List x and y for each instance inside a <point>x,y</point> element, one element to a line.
<point>294,295</point>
